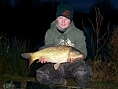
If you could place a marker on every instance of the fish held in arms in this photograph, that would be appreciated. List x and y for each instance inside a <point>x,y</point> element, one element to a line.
<point>55,54</point>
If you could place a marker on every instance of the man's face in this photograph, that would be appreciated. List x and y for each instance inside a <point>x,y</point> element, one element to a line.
<point>63,22</point>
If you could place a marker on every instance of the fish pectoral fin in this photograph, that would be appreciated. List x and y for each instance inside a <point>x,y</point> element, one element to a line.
<point>56,66</point>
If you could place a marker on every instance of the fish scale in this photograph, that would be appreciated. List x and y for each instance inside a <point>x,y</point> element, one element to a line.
<point>54,54</point>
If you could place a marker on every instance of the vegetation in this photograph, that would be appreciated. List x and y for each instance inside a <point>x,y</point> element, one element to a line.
<point>10,61</point>
<point>104,64</point>
<point>103,48</point>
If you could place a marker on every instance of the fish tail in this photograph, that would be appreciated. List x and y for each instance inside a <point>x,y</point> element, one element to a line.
<point>30,61</point>
<point>28,56</point>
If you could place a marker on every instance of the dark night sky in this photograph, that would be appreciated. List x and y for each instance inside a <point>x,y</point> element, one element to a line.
<point>78,4</point>
<point>84,4</point>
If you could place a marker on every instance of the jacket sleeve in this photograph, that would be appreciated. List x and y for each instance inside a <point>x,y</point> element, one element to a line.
<point>49,37</point>
<point>81,45</point>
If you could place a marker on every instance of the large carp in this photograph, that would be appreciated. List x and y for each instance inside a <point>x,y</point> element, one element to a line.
<point>55,54</point>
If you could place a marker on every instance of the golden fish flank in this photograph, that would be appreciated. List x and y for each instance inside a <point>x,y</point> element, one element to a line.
<point>54,54</point>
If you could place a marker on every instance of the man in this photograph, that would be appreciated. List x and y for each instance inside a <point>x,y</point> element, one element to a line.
<point>64,32</point>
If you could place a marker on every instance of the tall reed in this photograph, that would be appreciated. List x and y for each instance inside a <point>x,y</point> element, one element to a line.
<point>10,61</point>
<point>103,64</point>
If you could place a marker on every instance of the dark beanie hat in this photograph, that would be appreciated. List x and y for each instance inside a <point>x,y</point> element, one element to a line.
<point>64,10</point>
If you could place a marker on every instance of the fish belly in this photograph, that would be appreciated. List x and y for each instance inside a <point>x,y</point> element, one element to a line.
<point>54,60</point>
<point>57,58</point>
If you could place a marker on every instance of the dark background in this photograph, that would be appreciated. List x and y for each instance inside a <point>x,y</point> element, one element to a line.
<point>30,19</point>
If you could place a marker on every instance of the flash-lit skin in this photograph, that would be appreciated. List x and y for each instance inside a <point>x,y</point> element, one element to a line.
<point>42,60</point>
<point>73,59</point>
<point>63,23</point>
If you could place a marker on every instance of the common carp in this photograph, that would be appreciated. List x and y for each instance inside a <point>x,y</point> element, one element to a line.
<point>55,54</point>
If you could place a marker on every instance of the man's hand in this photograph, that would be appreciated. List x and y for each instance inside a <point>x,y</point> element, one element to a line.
<point>74,59</point>
<point>42,60</point>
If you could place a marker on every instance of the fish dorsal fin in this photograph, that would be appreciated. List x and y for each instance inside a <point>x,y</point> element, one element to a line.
<point>56,66</point>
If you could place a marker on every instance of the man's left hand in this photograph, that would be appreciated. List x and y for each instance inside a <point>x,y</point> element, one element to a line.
<point>74,59</point>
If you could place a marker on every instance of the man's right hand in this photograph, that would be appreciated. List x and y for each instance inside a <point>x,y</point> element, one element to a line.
<point>42,60</point>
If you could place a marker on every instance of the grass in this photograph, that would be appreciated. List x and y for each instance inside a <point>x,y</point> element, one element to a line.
<point>71,83</point>
<point>11,62</point>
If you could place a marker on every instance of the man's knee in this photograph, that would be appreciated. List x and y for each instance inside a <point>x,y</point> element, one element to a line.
<point>82,73</point>
<point>82,69</point>
<point>46,74</point>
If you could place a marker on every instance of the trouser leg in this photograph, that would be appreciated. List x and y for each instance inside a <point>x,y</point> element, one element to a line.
<point>78,70</point>
<point>81,73</point>
<point>46,74</point>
